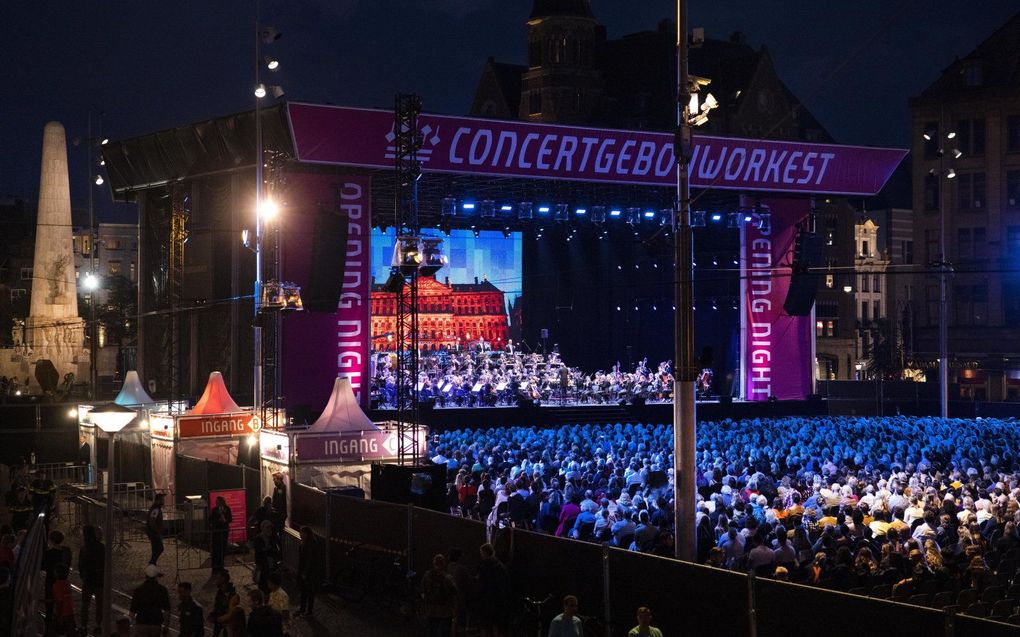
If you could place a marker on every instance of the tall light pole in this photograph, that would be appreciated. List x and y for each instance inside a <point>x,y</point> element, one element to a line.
<point>111,419</point>
<point>685,374</point>
<point>260,92</point>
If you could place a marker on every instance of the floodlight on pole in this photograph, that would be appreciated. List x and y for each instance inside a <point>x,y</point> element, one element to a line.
<point>111,419</point>
<point>260,90</point>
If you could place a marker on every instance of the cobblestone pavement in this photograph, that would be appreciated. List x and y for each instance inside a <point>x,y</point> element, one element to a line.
<point>180,562</point>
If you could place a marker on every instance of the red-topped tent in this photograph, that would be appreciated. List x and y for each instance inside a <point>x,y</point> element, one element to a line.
<point>215,399</point>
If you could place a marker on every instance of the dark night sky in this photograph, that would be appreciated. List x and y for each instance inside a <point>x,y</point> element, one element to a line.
<point>154,65</point>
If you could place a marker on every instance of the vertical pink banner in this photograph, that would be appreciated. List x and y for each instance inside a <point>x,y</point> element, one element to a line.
<point>238,512</point>
<point>353,326</point>
<point>776,348</point>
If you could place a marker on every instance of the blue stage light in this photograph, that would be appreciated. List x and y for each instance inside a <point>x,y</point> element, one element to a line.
<point>716,216</point>
<point>649,214</point>
<point>581,212</point>
<point>544,209</point>
<point>615,212</point>
<point>468,206</point>
<point>506,208</point>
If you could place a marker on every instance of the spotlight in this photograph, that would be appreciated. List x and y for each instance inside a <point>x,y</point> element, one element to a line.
<point>633,216</point>
<point>506,208</point>
<point>105,141</point>
<point>448,207</point>
<point>271,63</point>
<point>252,440</point>
<point>697,218</point>
<point>716,216</point>
<point>598,214</point>
<point>561,212</point>
<point>260,91</point>
<point>615,212</point>
<point>928,135</point>
<point>407,254</point>
<point>91,281</point>
<point>649,214</point>
<point>476,232</point>
<point>580,212</point>
<point>269,209</point>
<point>72,413</point>
<point>99,180</point>
<point>543,210</point>
<point>666,217</point>
<point>432,259</point>
<point>468,205</point>
<point>525,210</point>
<point>951,135</point>
<point>957,153</point>
<point>951,174</point>
<point>487,209</point>
<point>733,220</point>
<point>506,233</point>
<point>277,91</point>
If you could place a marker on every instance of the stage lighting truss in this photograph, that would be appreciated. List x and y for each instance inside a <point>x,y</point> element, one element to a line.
<point>283,296</point>
<point>432,257</point>
<point>407,254</point>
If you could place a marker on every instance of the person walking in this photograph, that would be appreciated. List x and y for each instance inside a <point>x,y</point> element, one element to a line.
<point>644,626</point>
<point>267,554</point>
<point>150,605</point>
<point>263,620</point>
<point>567,623</point>
<point>189,612</point>
<point>308,573</point>
<point>91,564</point>
<point>221,603</point>
<point>279,600</point>
<point>63,605</point>
<point>219,529</point>
<point>55,556</point>
<point>492,594</point>
<point>154,528</point>
<point>439,594</point>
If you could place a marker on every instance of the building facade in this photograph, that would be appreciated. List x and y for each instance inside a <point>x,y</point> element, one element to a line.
<point>966,191</point>
<point>450,316</point>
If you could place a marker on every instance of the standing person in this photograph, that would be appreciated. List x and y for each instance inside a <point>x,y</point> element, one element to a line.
<point>461,579</point>
<point>21,509</point>
<point>439,593</point>
<point>644,626</point>
<point>308,571</point>
<point>219,530</point>
<point>567,623</point>
<point>154,528</point>
<point>279,600</point>
<point>91,564</point>
<point>267,554</point>
<point>150,605</point>
<point>263,620</point>
<point>55,555</point>
<point>279,501</point>
<point>225,595</point>
<point>492,588</point>
<point>44,495</point>
<point>63,605</point>
<point>189,612</point>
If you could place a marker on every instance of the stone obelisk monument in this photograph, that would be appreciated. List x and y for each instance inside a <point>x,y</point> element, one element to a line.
<point>54,331</point>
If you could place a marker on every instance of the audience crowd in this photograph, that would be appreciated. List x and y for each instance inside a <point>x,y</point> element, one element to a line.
<point>900,506</point>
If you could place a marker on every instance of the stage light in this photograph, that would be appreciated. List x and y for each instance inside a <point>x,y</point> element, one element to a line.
<point>448,207</point>
<point>271,63</point>
<point>580,212</point>
<point>487,209</point>
<point>467,205</point>
<point>957,153</point>
<point>260,91</point>
<point>716,216</point>
<point>655,307</point>
<point>715,261</point>
<point>637,266</point>
<point>506,208</point>
<point>709,103</point>
<point>543,210</point>
<point>951,135</point>
<point>666,217</point>
<point>649,214</point>
<point>562,212</point>
<point>928,135</point>
<point>277,91</point>
<point>633,216</point>
<point>636,308</point>
<point>105,141</point>
<point>697,218</point>
<point>506,233</point>
<point>733,220</point>
<point>407,254</point>
<point>735,262</point>
<point>598,214</point>
<point>99,180</point>
<point>951,174</point>
<point>525,210</point>
<point>615,212</point>
<point>433,258</point>
<point>252,440</point>
<point>747,218</point>
<point>476,233</point>
<point>714,306</point>
<point>617,309</point>
<point>102,162</point>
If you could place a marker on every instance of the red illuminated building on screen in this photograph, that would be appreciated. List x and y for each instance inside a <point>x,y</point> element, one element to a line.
<point>450,316</point>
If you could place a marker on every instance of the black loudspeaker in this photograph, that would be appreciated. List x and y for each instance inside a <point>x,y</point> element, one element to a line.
<point>329,253</point>
<point>423,486</point>
<point>803,286</point>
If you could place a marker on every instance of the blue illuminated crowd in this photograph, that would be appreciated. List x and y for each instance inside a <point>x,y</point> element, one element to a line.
<point>920,505</point>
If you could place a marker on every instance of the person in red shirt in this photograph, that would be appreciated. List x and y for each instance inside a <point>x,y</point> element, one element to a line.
<point>63,605</point>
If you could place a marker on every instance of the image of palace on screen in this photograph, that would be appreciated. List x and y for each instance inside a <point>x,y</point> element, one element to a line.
<point>450,316</point>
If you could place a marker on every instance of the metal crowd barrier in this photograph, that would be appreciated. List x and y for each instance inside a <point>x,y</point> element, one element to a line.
<point>62,473</point>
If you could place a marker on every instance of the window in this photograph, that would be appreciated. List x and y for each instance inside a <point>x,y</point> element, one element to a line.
<point>970,137</point>
<point>931,146</point>
<point>876,283</point>
<point>26,274</point>
<point>826,309</point>
<point>970,243</point>
<point>535,102</point>
<point>113,267</point>
<point>1013,240</point>
<point>931,301</point>
<point>931,245</point>
<point>973,75</point>
<point>17,293</point>
<point>1013,134</point>
<point>819,327</point>
<point>1013,188</point>
<point>863,283</point>
<point>907,251</point>
<point>876,310</point>
<point>970,303</point>
<point>830,328</point>
<point>864,312</point>
<point>931,192</point>
<point>830,280</point>
<point>970,190</point>
<point>865,249</point>
<point>112,244</point>
<point>830,230</point>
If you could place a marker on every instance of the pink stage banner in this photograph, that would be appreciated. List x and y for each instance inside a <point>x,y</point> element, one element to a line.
<point>776,348</point>
<point>353,327</point>
<point>365,137</point>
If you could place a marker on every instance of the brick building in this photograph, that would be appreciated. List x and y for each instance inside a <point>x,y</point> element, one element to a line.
<point>449,315</point>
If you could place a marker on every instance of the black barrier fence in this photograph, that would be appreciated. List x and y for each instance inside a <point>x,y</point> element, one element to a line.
<point>685,598</point>
<point>198,476</point>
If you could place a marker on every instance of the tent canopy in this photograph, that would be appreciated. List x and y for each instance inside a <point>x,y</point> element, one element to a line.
<point>132,393</point>
<point>342,413</point>
<point>215,399</point>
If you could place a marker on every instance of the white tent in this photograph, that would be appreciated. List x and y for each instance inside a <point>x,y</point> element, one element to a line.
<point>342,412</point>
<point>132,393</point>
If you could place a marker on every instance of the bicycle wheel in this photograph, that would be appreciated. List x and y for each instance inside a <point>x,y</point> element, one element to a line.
<point>350,585</point>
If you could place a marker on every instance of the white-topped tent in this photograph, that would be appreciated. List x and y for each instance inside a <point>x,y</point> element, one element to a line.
<point>133,393</point>
<point>342,412</point>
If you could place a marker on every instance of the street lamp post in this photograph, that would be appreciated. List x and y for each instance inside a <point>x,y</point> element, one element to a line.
<point>111,419</point>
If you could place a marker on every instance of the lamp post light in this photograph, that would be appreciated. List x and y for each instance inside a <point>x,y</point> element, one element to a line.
<point>111,419</point>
